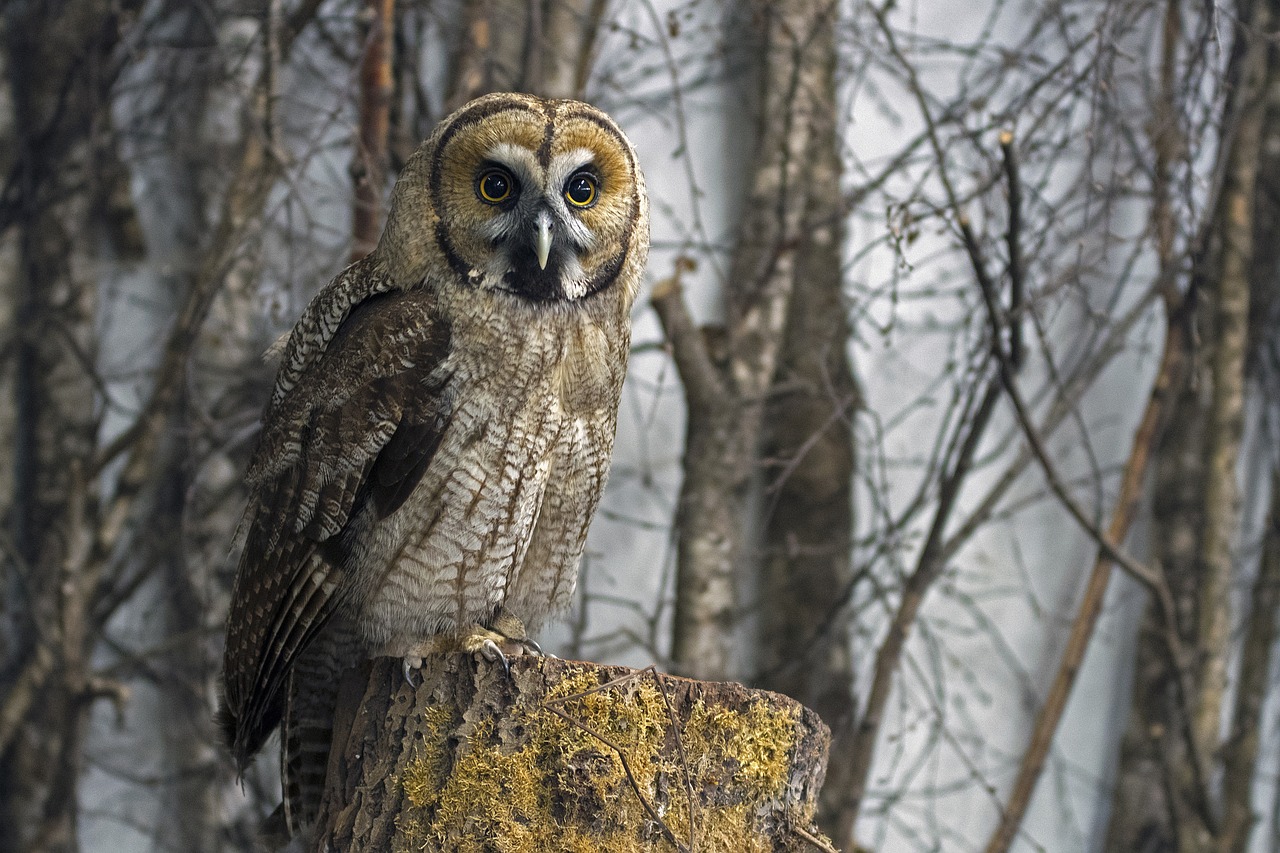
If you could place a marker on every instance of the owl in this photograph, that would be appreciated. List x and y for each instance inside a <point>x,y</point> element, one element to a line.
<point>440,429</point>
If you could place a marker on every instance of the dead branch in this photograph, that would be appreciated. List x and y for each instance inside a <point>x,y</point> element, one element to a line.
<point>703,384</point>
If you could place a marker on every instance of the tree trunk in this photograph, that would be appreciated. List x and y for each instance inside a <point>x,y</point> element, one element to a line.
<point>805,643</point>
<point>1141,807</point>
<point>369,162</point>
<point>61,66</point>
<point>1256,654</point>
<point>726,397</point>
<point>77,501</point>
<point>1159,801</point>
<point>569,756</point>
<point>543,47</point>
<point>1227,293</point>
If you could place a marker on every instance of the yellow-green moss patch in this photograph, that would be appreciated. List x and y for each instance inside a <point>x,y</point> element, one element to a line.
<point>532,780</point>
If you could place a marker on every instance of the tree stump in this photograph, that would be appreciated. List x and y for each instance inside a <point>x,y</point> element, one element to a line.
<point>567,756</point>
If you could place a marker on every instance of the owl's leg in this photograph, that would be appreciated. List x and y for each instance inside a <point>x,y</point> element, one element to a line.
<point>483,642</point>
<point>506,635</point>
<point>475,639</point>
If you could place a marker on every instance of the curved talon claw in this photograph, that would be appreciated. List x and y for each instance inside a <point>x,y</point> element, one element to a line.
<point>533,647</point>
<point>408,667</point>
<point>489,649</point>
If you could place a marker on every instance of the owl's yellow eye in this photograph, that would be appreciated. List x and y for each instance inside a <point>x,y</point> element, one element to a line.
<point>495,186</point>
<point>581,190</point>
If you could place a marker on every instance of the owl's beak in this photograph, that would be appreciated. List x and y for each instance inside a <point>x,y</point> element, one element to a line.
<point>542,245</point>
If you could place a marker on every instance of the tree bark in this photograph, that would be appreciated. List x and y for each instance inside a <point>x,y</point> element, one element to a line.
<point>77,501</point>
<point>567,755</point>
<point>1257,653</point>
<point>543,47</point>
<point>62,67</point>
<point>1240,753</point>
<point>1228,295</point>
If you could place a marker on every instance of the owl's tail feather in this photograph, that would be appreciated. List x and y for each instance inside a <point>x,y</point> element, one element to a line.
<point>307,724</point>
<point>283,598</point>
<point>226,721</point>
<point>242,744</point>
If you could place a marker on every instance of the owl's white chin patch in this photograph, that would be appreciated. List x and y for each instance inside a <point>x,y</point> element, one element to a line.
<point>575,289</point>
<point>573,281</point>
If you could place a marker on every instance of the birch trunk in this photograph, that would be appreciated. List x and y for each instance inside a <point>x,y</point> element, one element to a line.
<point>1160,798</point>
<point>726,397</point>
<point>805,642</point>
<point>62,68</point>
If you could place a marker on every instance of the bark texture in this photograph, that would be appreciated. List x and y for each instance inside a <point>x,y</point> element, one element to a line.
<point>369,166</point>
<point>62,66</point>
<point>79,501</point>
<point>1240,753</point>
<point>563,755</point>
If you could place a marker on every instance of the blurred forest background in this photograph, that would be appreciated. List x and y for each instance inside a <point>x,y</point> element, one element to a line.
<point>954,411</point>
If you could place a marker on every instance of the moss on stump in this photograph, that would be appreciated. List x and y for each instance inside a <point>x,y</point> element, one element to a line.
<point>567,756</point>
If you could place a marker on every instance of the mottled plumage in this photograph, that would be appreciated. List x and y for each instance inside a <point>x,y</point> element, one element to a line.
<point>442,421</point>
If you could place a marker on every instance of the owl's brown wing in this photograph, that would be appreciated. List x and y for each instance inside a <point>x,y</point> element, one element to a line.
<point>357,430</point>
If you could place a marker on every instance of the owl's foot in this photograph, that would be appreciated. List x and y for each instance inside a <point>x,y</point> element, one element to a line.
<point>507,636</point>
<point>495,644</point>
<point>487,647</point>
<point>513,630</point>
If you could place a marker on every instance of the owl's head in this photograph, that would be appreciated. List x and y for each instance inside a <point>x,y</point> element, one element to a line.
<point>540,199</point>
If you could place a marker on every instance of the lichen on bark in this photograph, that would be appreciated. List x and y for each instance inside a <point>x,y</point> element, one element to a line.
<point>568,756</point>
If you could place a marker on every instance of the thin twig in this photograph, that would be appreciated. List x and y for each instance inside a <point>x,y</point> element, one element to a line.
<point>1013,239</point>
<point>684,760</point>
<point>815,840</point>
<point>929,566</point>
<point>626,767</point>
<point>1050,715</point>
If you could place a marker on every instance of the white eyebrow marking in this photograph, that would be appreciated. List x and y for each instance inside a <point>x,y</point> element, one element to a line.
<point>565,164</point>
<point>520,160</point>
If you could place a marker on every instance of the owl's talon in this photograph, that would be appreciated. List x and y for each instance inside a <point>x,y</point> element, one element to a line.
<point>409,664</point>
<point>492,653</point>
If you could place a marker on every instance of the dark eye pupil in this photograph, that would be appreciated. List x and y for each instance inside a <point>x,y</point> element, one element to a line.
<point>580,189</point>
<point>494,185</point>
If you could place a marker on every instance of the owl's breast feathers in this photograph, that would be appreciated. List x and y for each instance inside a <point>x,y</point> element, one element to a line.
<point>357,429</point>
